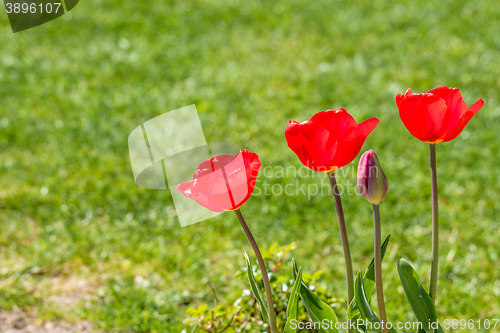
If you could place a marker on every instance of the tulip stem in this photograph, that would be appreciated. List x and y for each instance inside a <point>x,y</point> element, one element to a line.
<point>378,268</point>
<point>263,270</point>
<point>435,225</point>
<point>345,240</point>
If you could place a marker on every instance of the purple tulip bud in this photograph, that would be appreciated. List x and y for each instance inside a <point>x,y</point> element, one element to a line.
<point>372,184</point>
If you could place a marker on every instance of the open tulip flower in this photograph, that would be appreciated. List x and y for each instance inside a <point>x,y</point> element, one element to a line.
<point>224,182</point>
<point>329,140</point>
<point>326,142</point>
<point>437,116</point>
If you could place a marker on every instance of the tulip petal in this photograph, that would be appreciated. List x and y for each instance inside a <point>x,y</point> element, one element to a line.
<point>329,140</point>
<point>212,184</point>
<point>362,175</point>
<point>252,167</point>
<point>309,141</point>
<point>453,133</point>
<point>454,101</point>
<point>218,189</point>
<point>236,183</point>
<point>205,168</point>
<point>353,143</point>
<point>400,97</point>
<point>200,197</point>
<point>377,182</point>
<point>223,183</point>
<point>220,161</point>
<point>426,116</point>
<point>185,188</point>
<point>237,180</point>
<point>476,106</point>
<point>294,137</point>
<point>452,97</point>
<point>338,123</point>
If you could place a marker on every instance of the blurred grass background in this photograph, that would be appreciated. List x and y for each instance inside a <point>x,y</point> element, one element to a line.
<point>73,89</point>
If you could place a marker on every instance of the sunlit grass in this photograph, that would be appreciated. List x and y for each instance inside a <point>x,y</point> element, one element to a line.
<point>72,91</point>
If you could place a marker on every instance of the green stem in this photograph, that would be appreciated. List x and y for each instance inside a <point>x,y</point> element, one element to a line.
<point>345,240</point>
<point>435,225</point>
<point>378,268</point>
<point>263,270</point>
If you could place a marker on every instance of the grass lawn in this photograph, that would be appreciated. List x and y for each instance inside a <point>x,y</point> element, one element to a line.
<point>72,90</point>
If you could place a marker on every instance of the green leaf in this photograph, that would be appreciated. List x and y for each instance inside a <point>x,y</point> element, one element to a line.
<point>369,282</point>
<point>353,310</point>
<point>202,308</point>
<point>307,277</point>
<point>292,311</point>
<point>191,310</point>
<point>421,303</point>
<point>370,272</point>
<point>317,275</point>
<point>257,293</point>
<point>363,304</point>
<point>272,248</point>
<point>316,308</point>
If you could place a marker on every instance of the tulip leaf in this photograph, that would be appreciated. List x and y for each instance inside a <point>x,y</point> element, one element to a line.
<point>421,303</point>
<point>369,282</point>
<point>292,311</point>
<point>317,310</point>
<point>365,309</point>
<point>257,293</point>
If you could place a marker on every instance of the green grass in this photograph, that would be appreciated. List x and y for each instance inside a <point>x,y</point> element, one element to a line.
<point>72,90</point>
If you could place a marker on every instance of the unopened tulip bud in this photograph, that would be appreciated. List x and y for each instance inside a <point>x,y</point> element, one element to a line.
<point>372,183</point>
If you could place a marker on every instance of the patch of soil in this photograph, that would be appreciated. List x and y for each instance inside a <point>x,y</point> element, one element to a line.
<point>19,322</point>
<point>62,293</point>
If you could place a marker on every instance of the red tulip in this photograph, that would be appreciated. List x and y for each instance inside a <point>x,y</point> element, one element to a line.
<point>224,182</point>
<point>329,140</point>
<point>437,116</point>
